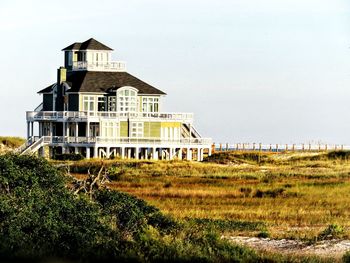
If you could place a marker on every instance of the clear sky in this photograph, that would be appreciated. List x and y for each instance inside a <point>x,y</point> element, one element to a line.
<point>267,71</point>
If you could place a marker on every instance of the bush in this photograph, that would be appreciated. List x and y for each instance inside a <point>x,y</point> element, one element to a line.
<point>40,218</point>
<point>269,193</point>
<point>263,234</point>
<point>331,231</point>
<point>68,157</point>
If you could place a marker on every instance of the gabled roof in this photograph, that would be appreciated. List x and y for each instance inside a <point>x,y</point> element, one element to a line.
<point>91,44</point>
<point>47,89</point>
<point>100,81</point>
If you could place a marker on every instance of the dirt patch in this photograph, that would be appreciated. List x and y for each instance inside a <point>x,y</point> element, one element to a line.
<point>326,248</point>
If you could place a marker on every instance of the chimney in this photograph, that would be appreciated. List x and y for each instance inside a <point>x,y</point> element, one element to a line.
<point>61,75</point>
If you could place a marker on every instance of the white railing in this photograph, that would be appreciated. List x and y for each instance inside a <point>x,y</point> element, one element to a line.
<point>279,147</point>
<point>126,140</point>
<point>82,115</point>
<point>99,66</point>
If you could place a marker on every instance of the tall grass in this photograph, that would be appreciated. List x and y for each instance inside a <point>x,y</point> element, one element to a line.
<point>295,195</point>
<point>11,142</point>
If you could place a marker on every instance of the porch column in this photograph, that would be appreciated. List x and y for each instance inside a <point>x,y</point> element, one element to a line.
<point>88,130</point>
<point>68,133</point>
<point>209,151</point>
<point>64,131</point>
<point>188,154</point>
<point>154,153</point>
<point>76,131</point>
<point>129,153</point>
<point>28,130</point>
<point>179,154</point>
<point>76,150</point>
<point>198,154</point>
<point>51,129</point>
<point>108,152</point>
<point>32,129</point>
<point>95,152</point>
<point>171,153</point>
<point>137,149</point>
<point>122,152</point>
<point>87,152</point>
<point>40,124</point>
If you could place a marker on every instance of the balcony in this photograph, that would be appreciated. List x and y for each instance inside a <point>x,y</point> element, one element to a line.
<point>84,116</point>
<point>99,66</point>
<point>126,141</point>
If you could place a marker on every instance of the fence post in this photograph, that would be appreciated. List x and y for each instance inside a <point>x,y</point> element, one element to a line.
<point>335,147</point>
<point>303,147</point>
<point>309,147</point>
<point>270,147</point>
<point>293,147</point>
<point>243,146</point>
<point>220,147</point>
<point>326,147</point>
<point>286,147</point>
<point>276,147</point>
<point>226,147</point>
<point>259,147</point>
<point>254,146</point>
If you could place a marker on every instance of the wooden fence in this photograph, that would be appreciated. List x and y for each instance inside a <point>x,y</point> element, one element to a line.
<point>278,147</point>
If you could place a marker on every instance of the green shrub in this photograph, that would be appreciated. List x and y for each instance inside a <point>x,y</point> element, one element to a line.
<point>331,231</point>
<point>263,234</point>
<point>346,257</point>
<point>269,193</point>
<point>68,157</point>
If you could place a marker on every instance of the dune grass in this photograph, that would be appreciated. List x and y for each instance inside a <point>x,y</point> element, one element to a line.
<point>293,195</point>
<point>11,142</point>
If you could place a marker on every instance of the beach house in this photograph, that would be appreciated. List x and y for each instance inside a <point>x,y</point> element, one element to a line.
<point>96,108</point>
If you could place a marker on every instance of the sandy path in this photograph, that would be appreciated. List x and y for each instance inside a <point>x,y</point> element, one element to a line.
<point>327,248</point>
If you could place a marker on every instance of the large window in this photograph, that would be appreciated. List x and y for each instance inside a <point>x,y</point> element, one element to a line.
<point>88,103</point>
<point>136,129</point>
<point>126,99</point>
<point>150,104</point>
<point>112,103</point>
<point>101,106</point>
<point>110,129</point>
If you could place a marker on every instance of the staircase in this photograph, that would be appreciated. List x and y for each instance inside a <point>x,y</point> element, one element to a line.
<point>186,133</point>
<point>29,148</point>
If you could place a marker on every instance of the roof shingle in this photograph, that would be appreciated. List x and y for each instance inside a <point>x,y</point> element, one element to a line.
<point>100,81</point>
<point>91,44</point>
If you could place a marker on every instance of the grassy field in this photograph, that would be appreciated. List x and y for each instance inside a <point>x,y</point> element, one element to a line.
<point>281,195</point>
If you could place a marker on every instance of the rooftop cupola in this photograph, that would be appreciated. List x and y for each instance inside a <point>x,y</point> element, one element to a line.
<point>90,55</point>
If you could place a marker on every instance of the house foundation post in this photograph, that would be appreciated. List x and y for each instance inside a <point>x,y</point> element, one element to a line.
<point>28,130</point>
<point>137,152</point>
<point>108,152</point>
<point>188,154</point>
<point>122,152</point>
<point>87,152</point>
<point>179,154</point>
<point>95,152</point>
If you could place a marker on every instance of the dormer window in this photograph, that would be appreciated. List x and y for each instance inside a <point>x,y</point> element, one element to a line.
<point>127,99</point>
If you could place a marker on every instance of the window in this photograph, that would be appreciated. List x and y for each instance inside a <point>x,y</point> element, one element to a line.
<point>127,99</point>
<point>136,129</point>
<point>110,129</point>
<point>101,104</point>
<point>150,104</point>
<point>88,103</point>
<point>112,105</point>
